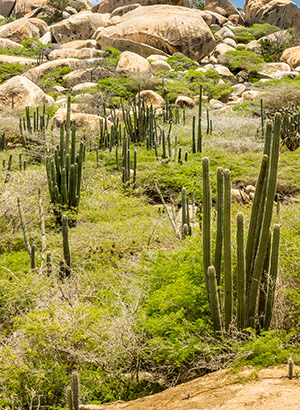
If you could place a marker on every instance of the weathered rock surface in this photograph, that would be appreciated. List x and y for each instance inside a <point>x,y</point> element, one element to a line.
<point>16,60</point>
<point>80,26</point>
<point>73,53</point>
<point>79,88</point>
<point>6,7</point>
<point>133,63</point>
<point>224,7</point>
<point>184,101</point>
<point>26,6</point>
<point>167,28</point>
<point>281,13</point>
<point>160,65</point>
<point>120,11</point>
<point>6,44</point>
<point>151,98</point>
<point>78,44</point>
<point>89,121</point>
<point>107,6</point>
<point>222,390</point>
<point>291,56</point>
<point>23,29</point>
<point>25,93</point>
<point>36,73</point>
<point>86,75</point>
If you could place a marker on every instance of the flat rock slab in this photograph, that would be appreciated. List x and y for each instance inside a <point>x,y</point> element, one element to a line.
<point>267,389</point>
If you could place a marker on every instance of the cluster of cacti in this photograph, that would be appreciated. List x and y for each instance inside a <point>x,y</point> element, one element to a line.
<point>73,393</point>
<point>34,125</point>
<point>186,227</point>
<point>257,262</point>
<point>290,127</point>
<point>64,169</point>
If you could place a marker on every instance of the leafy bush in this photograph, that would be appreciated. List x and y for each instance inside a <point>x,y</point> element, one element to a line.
<point>247,34</point>
<point>179,62</point>
<point>54,77</point>
<point>243,60</point>
<point>29,48</point>
<point>9,70</point>
<point>111,58</point>
<point>119,87</point>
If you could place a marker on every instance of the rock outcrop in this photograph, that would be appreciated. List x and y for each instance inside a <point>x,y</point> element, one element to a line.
<point>281,13</point>
<point>166,28</point>
<point>25,93</point>
<point>223,7</point>
<point>108,6</point>
<point>133,63</point>
<point>6,7</point>
<point>291,56</point>
<point>89,121</point>
<point>23,29</point>
<point>80,26</point>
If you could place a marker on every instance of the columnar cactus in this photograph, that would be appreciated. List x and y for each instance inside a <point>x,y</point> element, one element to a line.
<point>227,249</point>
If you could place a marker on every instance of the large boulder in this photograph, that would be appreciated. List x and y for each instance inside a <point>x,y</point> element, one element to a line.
<point>107,6</point>
<point>89,121</point>
<point>86,75</point>
<point>36,73</point>
<point>24,92</point>
<point>26,6</point>
<point>23,29</point>
<point>163,27</point>
<point>281,13</point>
<point>291,56</point>
<point>6,7</point>
<point>71,53</point>
<point>80,26</point>
<point>133,63</point>
<point>6,44</point>
<point>224,7</point>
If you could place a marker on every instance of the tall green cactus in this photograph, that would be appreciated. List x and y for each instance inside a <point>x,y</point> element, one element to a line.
<point>220,215</point>
<point>66,271</point>
<point>227,250</point>
<point>214,299</point>
<point>241,272</point>
<point>75,390</point>
<point>206,206</point>
<point>64,172</point>
<point>252,263</point>
<point>263,239</point>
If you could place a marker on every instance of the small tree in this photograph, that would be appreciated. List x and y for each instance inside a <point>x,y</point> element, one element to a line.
<point>59,6</point>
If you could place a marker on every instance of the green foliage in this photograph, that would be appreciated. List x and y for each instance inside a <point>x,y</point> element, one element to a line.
<point>59,5</point>
<point>111,58</point>
<point>243,60</point>
<point>179,62</point>
<point>29,48</point>
<point>9,70</point>
<point>55,77</point>
<point>124,88</point>
<point>7,20</point>
<point>270,52</point>
<point>268,349</point>
<point>199,4</point>
<point>247,34</point>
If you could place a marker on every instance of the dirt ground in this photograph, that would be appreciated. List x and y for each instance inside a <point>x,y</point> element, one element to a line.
<point>267,389</point>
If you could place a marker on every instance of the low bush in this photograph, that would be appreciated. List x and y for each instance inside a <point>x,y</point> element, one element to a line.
<point>243,60</point>
<point>247,34</point>
<point>9,70</point>
<point>179,62</point>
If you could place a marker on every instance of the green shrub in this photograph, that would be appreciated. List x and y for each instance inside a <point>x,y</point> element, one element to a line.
<point>243,60</point>
<point>119,87</point>
<point>9,70</point>
<point>111,58</point>
<point>54,77</point>
<point>179,62</point>
<point>247,34</point>
<point>28,48</point>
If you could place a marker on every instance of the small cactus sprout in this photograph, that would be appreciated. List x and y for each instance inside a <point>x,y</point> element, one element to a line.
<point>290,368</point>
